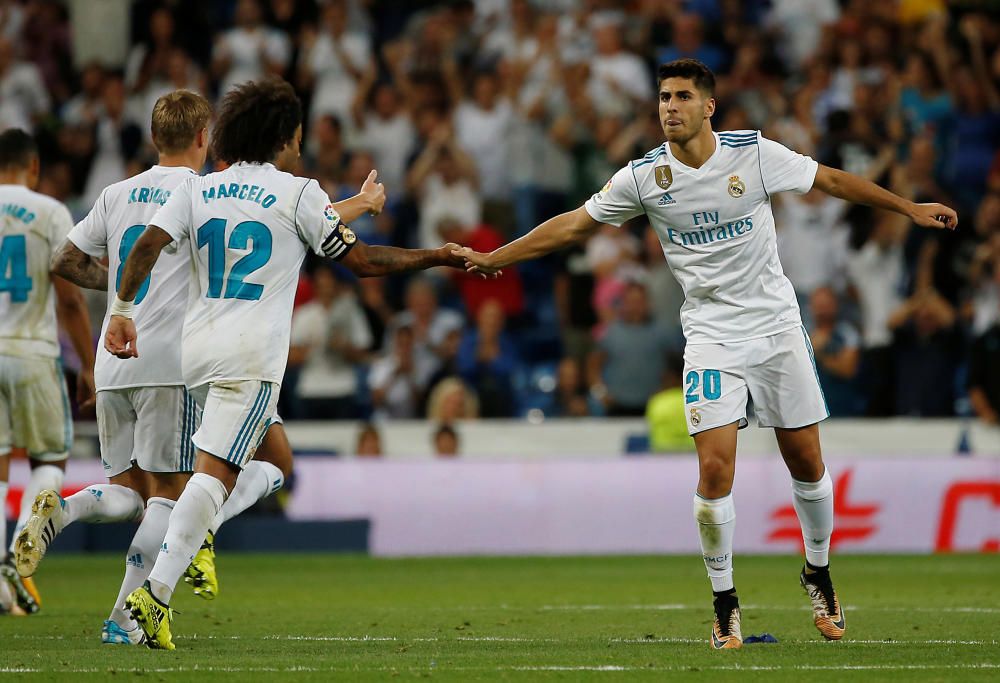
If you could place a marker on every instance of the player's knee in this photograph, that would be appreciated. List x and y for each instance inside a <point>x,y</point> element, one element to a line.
<point>716,475</point>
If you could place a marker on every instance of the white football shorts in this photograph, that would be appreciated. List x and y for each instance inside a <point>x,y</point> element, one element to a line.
<point>235,418</point>
<point>34,408</point>
<point>778,372</point>
<point>150,426</point>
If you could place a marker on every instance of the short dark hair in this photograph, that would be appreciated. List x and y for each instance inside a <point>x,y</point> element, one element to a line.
<point>702,76</point>
<point>17,149</point>
<point>256,121</point>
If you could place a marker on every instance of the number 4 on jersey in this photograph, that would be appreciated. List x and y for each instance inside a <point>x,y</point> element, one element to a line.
<point>14,268</point>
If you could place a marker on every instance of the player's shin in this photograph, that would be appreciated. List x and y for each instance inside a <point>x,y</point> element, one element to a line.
<point>814,506</point>
<point>102,503</point>
<point>141,555</point>
<point>42,477</point>
<point>257,481</point>
<point>197,507</point>
<point>716,524</point>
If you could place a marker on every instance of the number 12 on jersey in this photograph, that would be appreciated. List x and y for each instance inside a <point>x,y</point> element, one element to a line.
<point>251,235</point>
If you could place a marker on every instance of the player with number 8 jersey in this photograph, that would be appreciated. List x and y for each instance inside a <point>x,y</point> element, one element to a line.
<point>112,227</point>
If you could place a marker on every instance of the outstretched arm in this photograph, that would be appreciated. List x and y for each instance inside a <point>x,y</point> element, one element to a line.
<point>366,260</point>
<point>852,188</point>
<point>121,338</point>
<point>552,235</point>
<point>82,269</point>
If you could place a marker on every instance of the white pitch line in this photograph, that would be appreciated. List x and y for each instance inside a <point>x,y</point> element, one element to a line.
<point>773,608</point>
<point>554,667</point>
<point>514,639</point>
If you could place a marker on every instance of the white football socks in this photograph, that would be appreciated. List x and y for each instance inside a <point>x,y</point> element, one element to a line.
<point>716,524</point>
<point>42,477</point>
<point>195,510</point>
<point>258,480</point>
<point>814,505</point>
<point>141,555</point>
<point>102,503</point>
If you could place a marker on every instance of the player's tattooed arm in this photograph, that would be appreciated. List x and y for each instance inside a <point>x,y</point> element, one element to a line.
<point>141,260</point>
<point>81,269</point>
<point>554,234</point>
<point>372,261</point>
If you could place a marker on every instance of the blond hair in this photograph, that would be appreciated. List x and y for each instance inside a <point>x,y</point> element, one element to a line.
<point>177,118</point>
<point>438,408</point>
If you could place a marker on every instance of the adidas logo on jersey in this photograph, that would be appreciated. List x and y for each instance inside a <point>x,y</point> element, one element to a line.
<point>666,199</point>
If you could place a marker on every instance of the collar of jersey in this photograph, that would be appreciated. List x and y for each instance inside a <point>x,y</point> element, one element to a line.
<point>171,168</point>
<point>248,164</point>
<point>701,170</point>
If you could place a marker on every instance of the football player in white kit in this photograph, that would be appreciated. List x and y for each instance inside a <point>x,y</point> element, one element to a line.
<point>145,415</point>
<point>247,229</point>
<point>34,407</point>
<point>707,196</point>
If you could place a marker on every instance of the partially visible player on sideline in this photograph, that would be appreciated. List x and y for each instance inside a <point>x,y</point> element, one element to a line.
<point>34,407</point>
<point>708,196</point>
<point>247,228</point>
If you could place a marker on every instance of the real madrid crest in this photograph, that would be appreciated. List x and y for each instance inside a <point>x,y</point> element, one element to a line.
<point>695,417</point>
<point>347,234</point>
<point>664,176</point>
<point>737,188</point>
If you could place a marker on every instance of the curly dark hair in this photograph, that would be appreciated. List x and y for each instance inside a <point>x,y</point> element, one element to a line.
<point>702,76</point>
<point>256,121</point>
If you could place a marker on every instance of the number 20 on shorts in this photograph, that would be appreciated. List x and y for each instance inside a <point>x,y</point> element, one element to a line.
<point>709,382</point>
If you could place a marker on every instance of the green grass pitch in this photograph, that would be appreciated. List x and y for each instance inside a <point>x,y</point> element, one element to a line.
<point>325,617</point>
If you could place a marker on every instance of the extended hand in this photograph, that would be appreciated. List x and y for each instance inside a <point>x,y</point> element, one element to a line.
<point>476,262</point>
<point>120,339</point>
<point>374,192</point>
<point>450,256</point>
<point>934,215</point>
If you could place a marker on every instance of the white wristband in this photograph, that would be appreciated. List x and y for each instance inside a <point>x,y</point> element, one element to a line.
<point>122,308</point>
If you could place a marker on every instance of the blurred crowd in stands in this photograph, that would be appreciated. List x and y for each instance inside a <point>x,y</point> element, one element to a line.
<point>486,117</point>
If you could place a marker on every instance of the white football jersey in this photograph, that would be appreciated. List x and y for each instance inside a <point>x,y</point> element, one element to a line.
<point>32,227</point>
<point>717,230</point>
<point>112,227</point>
<point>247,229</point>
